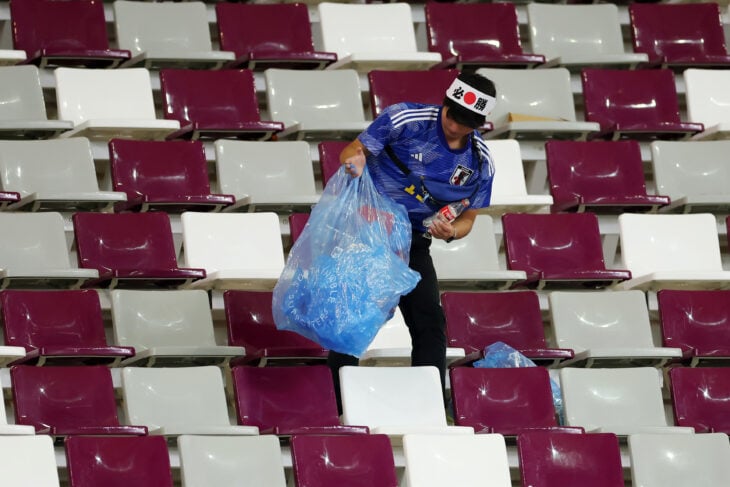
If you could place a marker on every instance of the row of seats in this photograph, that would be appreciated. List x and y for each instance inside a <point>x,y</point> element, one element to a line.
<point>545,459</point>
<point>214,104</point>
<point>163,328</point>
<point>173,176</point>
<point>257,36</point>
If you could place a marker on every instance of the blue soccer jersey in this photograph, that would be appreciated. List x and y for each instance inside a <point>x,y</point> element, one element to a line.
<point>415,134</point>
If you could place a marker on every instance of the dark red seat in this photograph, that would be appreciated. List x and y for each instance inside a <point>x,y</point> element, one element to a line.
<point>600,176</point>
<point>329,158</point>
<point>63,401</point>
<point>8,197</point>
<point>250,324</point>
<point>289,400</point>
<point>701,398</point>
<point>336,461</point>
<point>168,176</point>
<point>698,322</point>
<point>558,459</point>
<point>58,327</point>
<point>277,35</point>
<point>130,250</point>
<point>505,401</point>
<point>638,104</point>
<point>214,104</point>
<point>679,35</point>
<point>475,320</point>
<point>118,461</point>
<point>297,222</point>
<point>63,33</point>
<point>472,35</point>
<point>558,250</point>
<point>390,87</point>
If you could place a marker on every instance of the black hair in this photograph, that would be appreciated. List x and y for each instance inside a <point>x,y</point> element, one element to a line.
<point>463,115</point>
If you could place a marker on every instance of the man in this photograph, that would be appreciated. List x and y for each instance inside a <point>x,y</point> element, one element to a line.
<point>424,157</point>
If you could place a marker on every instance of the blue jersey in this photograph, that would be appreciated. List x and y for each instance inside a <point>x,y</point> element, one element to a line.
<point>415,134</point>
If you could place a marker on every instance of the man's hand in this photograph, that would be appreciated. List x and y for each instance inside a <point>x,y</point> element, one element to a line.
<point>441,229</point>
<point>355,164</point>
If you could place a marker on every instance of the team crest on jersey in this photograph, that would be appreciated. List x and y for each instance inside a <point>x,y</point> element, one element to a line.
<point>461,175</point>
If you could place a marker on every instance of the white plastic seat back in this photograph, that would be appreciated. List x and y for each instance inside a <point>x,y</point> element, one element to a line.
<point>707,100</point>
<point>268,173</point>
<point>28,461</point>
<point>241,245</point>
<point>438,460</point>
<point>178,400</point>
<point>692,174</point>
<point>21,94</point>
<point>33,242</point>
<point>679,460</point>
<point>617,400</point>
<point>582,34</point>
<point>226,461</point>
<point>11,56</point>
<point>146,319</point>
<point>509,190</point>
<point>316,100</point>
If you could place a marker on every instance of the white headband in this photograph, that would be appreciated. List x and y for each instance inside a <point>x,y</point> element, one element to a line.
<point>470,98</point>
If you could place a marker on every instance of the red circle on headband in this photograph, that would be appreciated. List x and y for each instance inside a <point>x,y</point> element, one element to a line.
<point>470,98</point>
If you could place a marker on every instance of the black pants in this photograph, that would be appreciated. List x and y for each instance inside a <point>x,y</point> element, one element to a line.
<point>422,313</point>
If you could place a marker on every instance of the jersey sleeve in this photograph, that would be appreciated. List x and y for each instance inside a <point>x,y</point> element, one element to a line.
<point>483,197</point>
<point>381,131</point>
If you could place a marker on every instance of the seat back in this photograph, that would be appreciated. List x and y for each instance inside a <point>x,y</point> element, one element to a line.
<point>570,31</point>
<point>696,321</point>
<point>682,168</point>
<point>477,252</point>
<point>679,460</point>
<point>225,460</point>
<point>25,168</point>
<point>146,319</point>
<point>558,459</point>
<point>707,102</point>
<point>48,24</point>
<point>134,460</point>
<point>436,460</point>
<point>390,87</point>
<point>21,94</point>
<point>592,171</point>
<point>34,319</point>
<point>214,242</point>
<point>160,169</point>
<point>217,98</point>
<point>350,28</point>
<point>695,393</point>
<point>329,158</point>
<point>517,399</point>
<point>538,92</point>
<point>322,96</point>
<point>175,397</point>
<point>333,461</point>
<point>475,320</point>
<point>124,241</point>
<point>64,397</point>
<point>651,243</point>
<point>629,97</point>
<point>677,31</point>
<point>250,324</point>
<point>143,26</point>
<point>102,94</point>
<point>38,242</point>
<point>297,222</point>
<point>561,242</point>
<point>265,172</point>
<point>367,394</point>
<point>472,30</point>
<point>589,320</point>
<point>29,460</point>
<point>285,397</point>
<point>282,27</point>
<point>509,174</point>
<point>612,399</point>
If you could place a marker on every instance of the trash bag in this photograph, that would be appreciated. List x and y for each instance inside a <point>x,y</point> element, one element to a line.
<point>348,269</point>
<point>499,355</point>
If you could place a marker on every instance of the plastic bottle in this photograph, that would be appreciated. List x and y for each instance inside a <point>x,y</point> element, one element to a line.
<point>448,212</point>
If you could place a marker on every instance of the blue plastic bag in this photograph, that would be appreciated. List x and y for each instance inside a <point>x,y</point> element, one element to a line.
<point>499,355</point>
<point>348,269</point>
